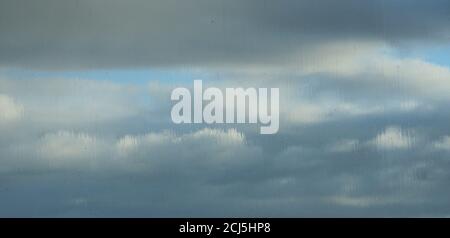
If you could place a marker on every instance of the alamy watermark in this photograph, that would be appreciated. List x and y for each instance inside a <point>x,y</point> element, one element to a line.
<point>249,105</point>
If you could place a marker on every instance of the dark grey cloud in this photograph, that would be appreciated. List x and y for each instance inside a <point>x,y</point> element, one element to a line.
<point>363,132</point>
<point>89,34</point>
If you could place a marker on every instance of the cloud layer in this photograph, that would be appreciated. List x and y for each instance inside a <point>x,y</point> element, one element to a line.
<point>364,119</point>
<point>86,34</point>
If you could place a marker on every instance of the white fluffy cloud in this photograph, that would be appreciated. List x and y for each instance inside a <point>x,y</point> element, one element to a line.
<point>77,150</point>
<point>394,138</point>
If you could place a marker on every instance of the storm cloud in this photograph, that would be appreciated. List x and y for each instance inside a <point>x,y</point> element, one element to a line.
<point>85,126</point>
<point>88,34</point>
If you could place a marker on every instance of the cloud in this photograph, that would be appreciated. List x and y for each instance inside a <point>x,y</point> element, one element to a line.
<point>203,148</point>
<point>53,34</point>
<point>133,153</point>
<point>394,138</point>
<point>362,201</point>
<point>64,146</point>
<point>59,101</point>
<point>211,136</point>
<point>364,126</point>
<point>371,73</point>
<point>329,110</point>
<point>346,145</point>
<point>442,144</point>
<point>92,141</point>
<point>10,110</point>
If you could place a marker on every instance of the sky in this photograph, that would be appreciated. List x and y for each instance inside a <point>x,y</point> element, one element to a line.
<point>85,127</point>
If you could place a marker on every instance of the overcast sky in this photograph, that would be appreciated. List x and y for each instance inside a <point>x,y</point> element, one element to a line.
<point>85,126</point>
